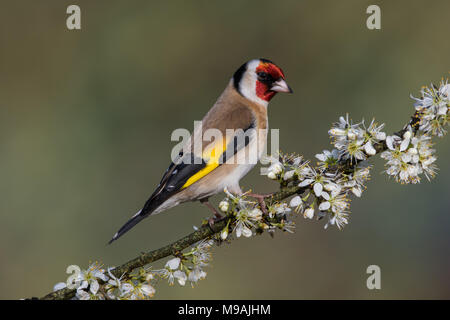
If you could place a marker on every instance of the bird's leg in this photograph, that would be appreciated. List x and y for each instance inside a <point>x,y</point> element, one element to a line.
<point>211,207</point>
<point>217,215</point>
<point>260,198</point>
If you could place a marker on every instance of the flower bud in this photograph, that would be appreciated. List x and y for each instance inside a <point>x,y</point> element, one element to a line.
<point>223,206</point>
<point>224,233</point>
<point>276,168</point>
<point>271,175</point>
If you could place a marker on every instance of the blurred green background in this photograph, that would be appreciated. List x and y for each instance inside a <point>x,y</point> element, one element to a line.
<point>86,118</point>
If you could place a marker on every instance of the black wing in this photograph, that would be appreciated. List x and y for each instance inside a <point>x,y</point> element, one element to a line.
<point>176,177</point>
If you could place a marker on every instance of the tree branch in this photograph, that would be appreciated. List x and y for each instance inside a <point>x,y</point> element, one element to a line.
<point>204,232</point>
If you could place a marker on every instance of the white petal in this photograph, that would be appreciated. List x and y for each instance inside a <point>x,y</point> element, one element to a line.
<point>381,136</point>
<point>100,275</point>
<point>412,151</point>
<point>246,232</point>
<point>406,157</point>
<point>59,286</point>
<point>276,168</point>
<point>324,206</point>
<point>390,142</point>
<point>271,175</point>
<point>332,186</point>
<point>297,161</point>
<point>405,143</point>
<point>94,286</point>
<point>288,175</point>
<point>173,264</point>
<point>180,276</point>
<point>318,189</point>
<point>404,174</point>
<point>295,201</point>
<point>325,195</point>
<point>84,285</point>
<point>392,170</point>
<point>334,193</point>
<point>321,157</point>
<point>255,214</point>
<point>238,231</point>
<point>357,191</point>
<point>370,150</point>
<point>305,182</point>
<point>442,110</point>
<point>83,295</point>
<point>446,90</point>
<point>336,132</point>
<point>148,290</point>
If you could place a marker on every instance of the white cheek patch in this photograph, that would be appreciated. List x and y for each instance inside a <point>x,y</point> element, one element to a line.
<point>247,86</point>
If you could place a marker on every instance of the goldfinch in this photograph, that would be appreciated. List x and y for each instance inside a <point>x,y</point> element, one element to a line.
<point>226,146</point>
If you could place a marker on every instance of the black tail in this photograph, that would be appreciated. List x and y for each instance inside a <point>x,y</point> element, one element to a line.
<point>159,196</point>
<point>130,224</point>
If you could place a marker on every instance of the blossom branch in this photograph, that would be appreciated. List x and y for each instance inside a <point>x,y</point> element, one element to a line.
<point>320,191</point>
<point>148,257</point>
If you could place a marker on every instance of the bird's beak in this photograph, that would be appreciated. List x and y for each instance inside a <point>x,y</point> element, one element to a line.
<point>281,86</point>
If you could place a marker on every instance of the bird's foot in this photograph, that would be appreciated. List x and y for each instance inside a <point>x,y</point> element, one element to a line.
<point>217,215</point>
<point>212,221</point>
<point>261,200</point>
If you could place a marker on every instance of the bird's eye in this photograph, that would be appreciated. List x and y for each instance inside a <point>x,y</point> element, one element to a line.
<point>264,77</point>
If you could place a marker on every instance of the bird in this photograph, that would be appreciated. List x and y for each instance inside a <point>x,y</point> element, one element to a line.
<point>238,122</point>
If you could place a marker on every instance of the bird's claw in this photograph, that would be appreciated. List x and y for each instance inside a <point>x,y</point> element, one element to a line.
<point>213,220</point>
<point>260,198</point>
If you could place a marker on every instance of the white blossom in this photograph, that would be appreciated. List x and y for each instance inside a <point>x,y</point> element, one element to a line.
<point>245,221</point>
<point>328,158</point>
<point>320,191</point>
<point>433,109</point>
<point>87,284</point>
<point>316,180</point>
<point>335,201</point>
<point>136,291</point>
<point>196,274</point>
<point>170,271</point>
<point>349,139</point>
<point>410,157</point>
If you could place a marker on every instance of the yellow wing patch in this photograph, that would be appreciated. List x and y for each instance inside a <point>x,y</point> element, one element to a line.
<point>211,155</point>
